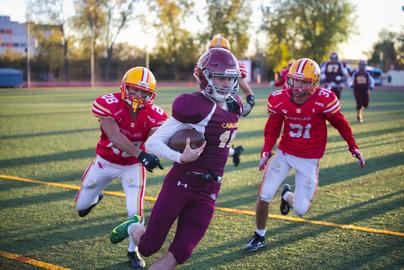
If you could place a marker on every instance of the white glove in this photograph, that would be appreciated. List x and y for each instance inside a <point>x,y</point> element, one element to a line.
<point>264,160</point>
<point>358,155</point>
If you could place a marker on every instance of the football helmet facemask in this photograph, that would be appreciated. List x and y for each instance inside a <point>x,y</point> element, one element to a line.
<point>218,74</point>
<point>303,79</point>
<point>138,87</point>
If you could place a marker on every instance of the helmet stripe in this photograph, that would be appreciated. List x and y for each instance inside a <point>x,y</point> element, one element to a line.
<point>301,65</point>
<point>144,75</point>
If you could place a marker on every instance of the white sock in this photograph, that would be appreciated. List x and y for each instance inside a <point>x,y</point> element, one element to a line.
<point>132,246</point>
<point>261,232</point>
<point>286,195</point>
<point>130,228</point>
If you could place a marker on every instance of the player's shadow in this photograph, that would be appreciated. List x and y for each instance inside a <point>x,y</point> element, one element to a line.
<point>47,133</point>
<point>28,199</point>
<point>76,154</point>
<point>292,232</point>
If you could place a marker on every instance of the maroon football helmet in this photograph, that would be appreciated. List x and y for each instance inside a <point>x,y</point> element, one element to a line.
<point>218,63</point>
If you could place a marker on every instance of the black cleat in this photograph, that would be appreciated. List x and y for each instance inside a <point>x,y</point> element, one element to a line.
<point>236,156</point>
<point>285,207</point>
<point>135,260</point>
<point>85,212</point>
<point>255,243</point>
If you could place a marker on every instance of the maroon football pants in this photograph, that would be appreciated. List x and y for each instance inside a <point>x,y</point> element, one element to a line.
<point>362,98</point>
<point>185,197</point>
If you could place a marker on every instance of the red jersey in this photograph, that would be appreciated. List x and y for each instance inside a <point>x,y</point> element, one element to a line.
<point>304,126</point>
<point>283,78</point>
<point>112,106</point>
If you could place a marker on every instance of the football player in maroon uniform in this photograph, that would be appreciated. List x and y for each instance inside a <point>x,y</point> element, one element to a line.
<point>302,109</point>
<point>334,74</point>
<point>362,83</point>
<point>127,119</point>
<point>191,187</point>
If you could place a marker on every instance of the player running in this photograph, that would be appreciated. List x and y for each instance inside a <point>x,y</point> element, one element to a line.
<point>191,187</point>
<point>127,119</point>
<point>302,109</point>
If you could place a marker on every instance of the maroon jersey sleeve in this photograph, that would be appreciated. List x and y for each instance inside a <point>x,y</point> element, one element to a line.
<point>105,106</point>
<point>190,108</point>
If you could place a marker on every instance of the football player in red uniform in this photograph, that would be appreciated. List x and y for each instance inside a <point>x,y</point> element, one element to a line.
<point>192,185</point>
<point>283,76</point>
<point>127,119</point>
<point>302,109</point>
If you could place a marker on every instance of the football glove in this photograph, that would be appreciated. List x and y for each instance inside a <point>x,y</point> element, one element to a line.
<point>264,160</point>
<point>149,161</point>
<point>236,156</point>
<point>359,157</point>
<point>247,108</point>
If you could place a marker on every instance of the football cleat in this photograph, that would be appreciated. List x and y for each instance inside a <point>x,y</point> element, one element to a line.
<point>85,212</point>
<point>236,156</point>
<point>135,260</point>
<point>120,232</point>
<point>285,207</point>
<point>255,243</point>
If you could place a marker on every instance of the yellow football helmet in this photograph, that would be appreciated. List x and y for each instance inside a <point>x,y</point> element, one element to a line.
<point>303,79</point>
<point>138,87</point>
<point>219,42</point>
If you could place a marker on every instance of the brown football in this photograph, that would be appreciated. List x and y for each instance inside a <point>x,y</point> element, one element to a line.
<point>178,140</point>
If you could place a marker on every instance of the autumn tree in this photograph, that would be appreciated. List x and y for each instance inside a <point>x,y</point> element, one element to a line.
<point>307,28</point>
<point>230,18</point>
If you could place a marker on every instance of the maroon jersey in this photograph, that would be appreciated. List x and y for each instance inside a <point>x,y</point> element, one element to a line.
<point>304,126</point>
<point>219,127</point>
<point>361,80</point>
<point>332,70</point>
<point>112,106</point>
<point>283,78</point>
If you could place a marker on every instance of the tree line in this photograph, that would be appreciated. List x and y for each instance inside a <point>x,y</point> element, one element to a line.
<point>73,48</point>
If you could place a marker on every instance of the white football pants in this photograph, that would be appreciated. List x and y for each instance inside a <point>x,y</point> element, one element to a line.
<point>306,179</point>
<point>101,172</point>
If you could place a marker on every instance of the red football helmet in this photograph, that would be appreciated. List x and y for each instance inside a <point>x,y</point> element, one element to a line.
<point>218,64</point>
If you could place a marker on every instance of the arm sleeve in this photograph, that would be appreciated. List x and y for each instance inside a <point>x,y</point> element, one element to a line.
<point>338,121</point>
<point>101,109</point>
<point>271,132</point>
<point>157,143</point>
<point>183,111</point>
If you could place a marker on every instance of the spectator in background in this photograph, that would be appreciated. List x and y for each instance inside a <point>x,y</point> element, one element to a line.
<point>283,76</point>
<point>362,83</point>
<point>334,74</point>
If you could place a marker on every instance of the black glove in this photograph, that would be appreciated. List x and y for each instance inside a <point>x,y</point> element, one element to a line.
<point>232,104</point>
<point>251,100</point>
<point>236,156</point>
<point>149,161</point>
<point>250,104</point>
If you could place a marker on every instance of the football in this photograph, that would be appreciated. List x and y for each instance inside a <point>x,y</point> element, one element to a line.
<point>178,140</point>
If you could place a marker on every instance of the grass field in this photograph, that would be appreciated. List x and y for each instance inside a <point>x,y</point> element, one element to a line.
<point>50,135</point>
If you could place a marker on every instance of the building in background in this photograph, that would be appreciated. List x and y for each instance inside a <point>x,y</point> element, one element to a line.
<point>13,37</point>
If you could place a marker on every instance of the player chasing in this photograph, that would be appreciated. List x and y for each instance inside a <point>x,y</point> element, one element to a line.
<point>302,109</point>
<point>127,119</point>
<point>192,185</point>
